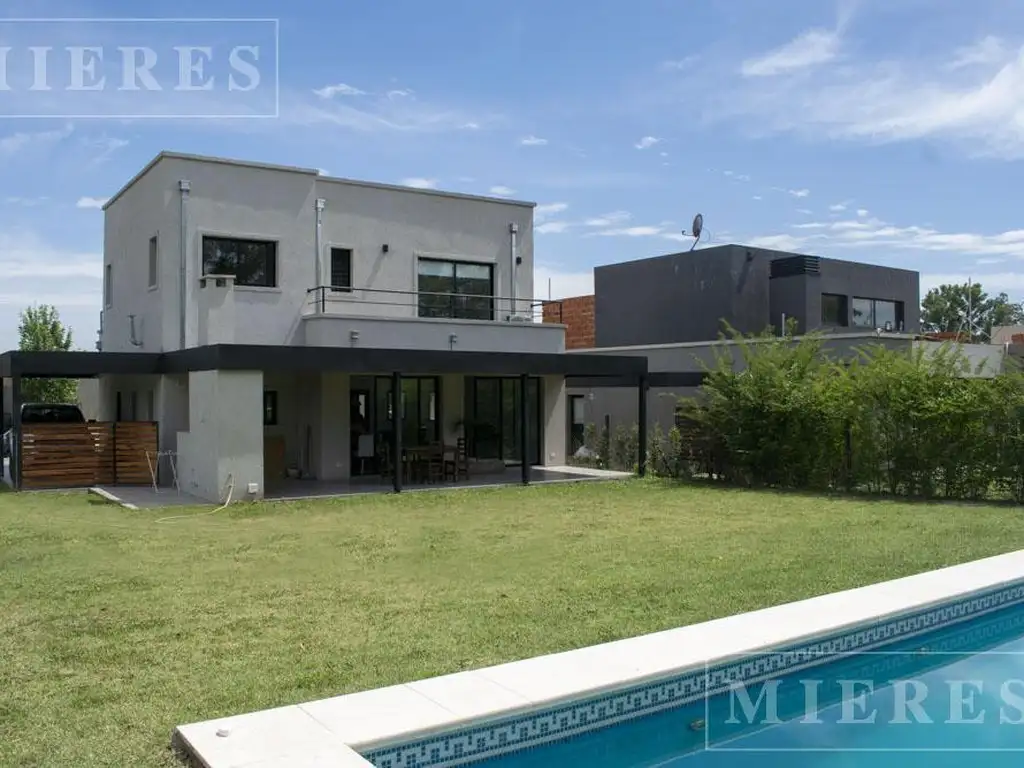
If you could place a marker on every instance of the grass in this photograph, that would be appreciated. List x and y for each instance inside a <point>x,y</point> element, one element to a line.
<point>114,628</point>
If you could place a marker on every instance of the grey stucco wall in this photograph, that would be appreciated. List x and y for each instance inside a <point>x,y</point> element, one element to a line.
<point>279,205</point>
<point>685,297</point>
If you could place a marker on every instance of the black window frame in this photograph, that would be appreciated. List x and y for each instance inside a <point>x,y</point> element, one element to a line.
<point>344,285</point>
<point>577,429</point>
<point>228,264</point>
<point>270,414</point>
<point>898,313</point>
<point>453,304</point>
<point>842,318</point>
<point>153,263</point>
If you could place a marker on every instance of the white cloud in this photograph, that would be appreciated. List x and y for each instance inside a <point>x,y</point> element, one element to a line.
<point>814,47</point>
<point>800,193</point>
<point>502,191</point>
<point>564,284</point>
<point>757,197</point>
<point>777,242</point>
<point>736,176</point>
<point>552,227</point>
<point>399,93</point>
<point>27,202</point>
<point>470,126</point>
<point>862,212</point>
<point>837,208</point>
<point>91,202</point>
<point>877,101</point>
<point>105,147</point>
<point>804,211</point>
<point>541,212</point>
<point>532,141</point>
<point>340,89</point>
<point>367,115</point>
<point>1011,283</point>
<point>647,142</point>
<point>609,219</point>
<point>26,255</point>
<point>419,182</point>
<point>987,51</point>
<point>16,143</point>
<point>629,232</point>
<point>677,65</point>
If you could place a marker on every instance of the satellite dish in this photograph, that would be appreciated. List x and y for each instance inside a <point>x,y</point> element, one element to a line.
<point>696,230</point>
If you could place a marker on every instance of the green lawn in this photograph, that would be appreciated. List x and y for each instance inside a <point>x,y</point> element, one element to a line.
<point>114,628</point>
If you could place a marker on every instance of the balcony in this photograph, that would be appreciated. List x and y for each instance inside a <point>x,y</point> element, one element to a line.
<point>391,319</point>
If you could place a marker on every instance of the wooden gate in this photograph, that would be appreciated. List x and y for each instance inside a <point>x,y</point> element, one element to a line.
<point>83,455</point>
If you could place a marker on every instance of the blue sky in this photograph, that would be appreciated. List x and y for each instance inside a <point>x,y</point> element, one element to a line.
<point>889,131</point>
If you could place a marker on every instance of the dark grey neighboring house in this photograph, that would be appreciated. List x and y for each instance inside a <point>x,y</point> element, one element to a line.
<point>684,297</point>
<point>670,309</point>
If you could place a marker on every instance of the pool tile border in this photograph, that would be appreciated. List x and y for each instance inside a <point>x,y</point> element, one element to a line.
<point>470,745</point>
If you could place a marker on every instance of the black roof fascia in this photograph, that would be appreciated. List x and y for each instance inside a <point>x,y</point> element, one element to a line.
<point>77,365</point>
<point>241,357</point>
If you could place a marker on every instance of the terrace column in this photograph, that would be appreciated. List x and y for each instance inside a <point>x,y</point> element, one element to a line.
<point>524,389</point>
<point>641,448</point>
<point>397,464</point>
<point>15,464</point>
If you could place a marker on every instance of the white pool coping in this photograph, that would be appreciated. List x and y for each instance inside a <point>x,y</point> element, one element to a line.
<point>331,732</point>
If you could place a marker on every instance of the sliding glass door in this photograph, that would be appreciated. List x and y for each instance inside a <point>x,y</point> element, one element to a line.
<point>420,410</point>
<point>494,419</point>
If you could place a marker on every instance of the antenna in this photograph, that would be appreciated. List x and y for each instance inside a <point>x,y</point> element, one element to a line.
<point>696,230</point>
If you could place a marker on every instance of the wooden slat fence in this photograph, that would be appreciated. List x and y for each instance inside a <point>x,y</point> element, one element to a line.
<point>81,455</point>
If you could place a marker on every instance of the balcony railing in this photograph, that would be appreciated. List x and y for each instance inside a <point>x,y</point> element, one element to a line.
<point>451,306</point>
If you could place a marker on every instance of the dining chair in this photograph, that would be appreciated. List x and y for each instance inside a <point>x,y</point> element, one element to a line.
<point>457,468</point>
<point>435,463</point>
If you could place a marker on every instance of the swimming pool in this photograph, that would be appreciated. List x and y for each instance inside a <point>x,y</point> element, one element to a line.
<point>951,728</point>
<point>919,658</point>
<point>674,723</point>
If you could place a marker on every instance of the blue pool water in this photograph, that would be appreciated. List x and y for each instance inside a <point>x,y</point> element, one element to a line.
<point>971,672</point>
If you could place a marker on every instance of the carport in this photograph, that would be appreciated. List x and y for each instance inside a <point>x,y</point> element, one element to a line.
<point>103,458</point>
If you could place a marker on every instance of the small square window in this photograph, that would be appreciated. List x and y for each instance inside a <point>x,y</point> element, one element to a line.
<point>269,408</point>
<point>833,310</point>
<point>153,262</point>
<point>341,269</point>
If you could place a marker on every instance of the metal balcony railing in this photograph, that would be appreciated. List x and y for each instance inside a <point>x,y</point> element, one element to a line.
<point>451,306</point>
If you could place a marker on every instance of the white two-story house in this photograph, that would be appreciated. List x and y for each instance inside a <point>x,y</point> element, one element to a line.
<point>274,311</point>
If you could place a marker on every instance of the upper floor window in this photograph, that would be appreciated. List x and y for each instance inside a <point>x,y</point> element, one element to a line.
<point>108,285</point>
<point>833,309</point>
<point>252,262</point>
<point>153,262</point>
<point>877,313</point>
<point>341,269</point>
<point>456,289</point>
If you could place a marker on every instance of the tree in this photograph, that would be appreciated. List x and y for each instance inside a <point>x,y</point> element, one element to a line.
<point>41,330</point>
<point>946,308</point>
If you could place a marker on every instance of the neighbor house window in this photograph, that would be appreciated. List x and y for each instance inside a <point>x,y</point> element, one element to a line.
<point>878,313</point>
<point>833,309</point>
<point>252,262</point>
<point>456,289</point>
<point>341,269</point>
<point>269,409</point>
<point>108,286</point>
<point>153,251</point>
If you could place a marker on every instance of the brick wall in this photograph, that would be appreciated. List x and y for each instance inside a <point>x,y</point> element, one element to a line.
<point>577,314</point>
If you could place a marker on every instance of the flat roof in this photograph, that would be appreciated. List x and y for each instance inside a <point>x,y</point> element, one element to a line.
<point>166,155</point>
<point>243,357</point>
<point>776,254</point>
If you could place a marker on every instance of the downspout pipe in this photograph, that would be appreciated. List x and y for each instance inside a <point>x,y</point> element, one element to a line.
<point>513,231</point>
<point>318,245</point>
<point>185,187</point>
